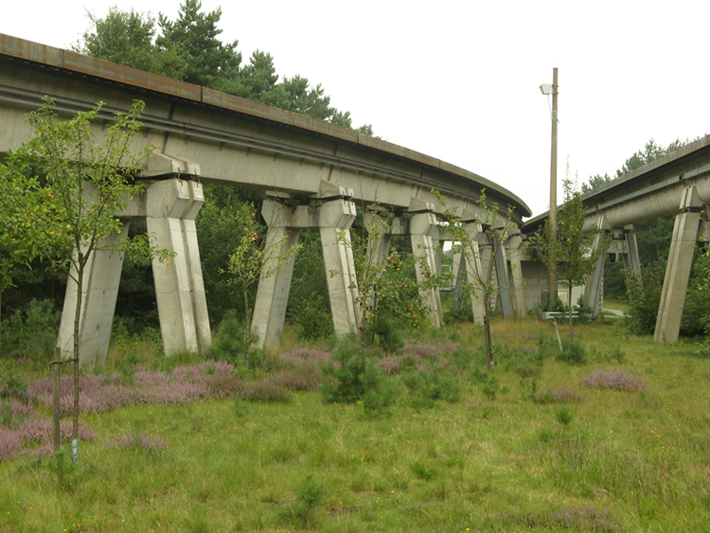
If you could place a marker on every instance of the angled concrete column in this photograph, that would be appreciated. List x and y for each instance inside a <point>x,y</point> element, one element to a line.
<point>501,267</point>
<point>680,262</point>
<point>273,291</point>
<point>474,271</point>
<point>171,207</point>
<point>513,246</point>
<point>335,220</point>
<point>631,257</point>
<point>421,227</point>
<point>593,288</point>
<point>379,239</point>
<point>102,276</point>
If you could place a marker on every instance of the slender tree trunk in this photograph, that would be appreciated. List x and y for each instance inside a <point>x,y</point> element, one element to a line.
<point>247,325</point>
<point>1,280</point>
<point>487,330</point>
<point>569,307</point>
<point>56,388</point>
<point>77,322</point>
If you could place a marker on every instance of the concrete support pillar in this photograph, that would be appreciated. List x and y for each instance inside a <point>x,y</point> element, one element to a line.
<point>273,291</point>
<point>680,262</point>
<point>421,227</point>
<point>171,208</point>
<point>333,219</point>
<point>501,268</point>
<point>379,239</point>
<point>102,276</point>
<point>485,254</point>
<point>513,246</point>
<point>631,257</point>
<point>593,288</point>
<point>336,217</point>
<point>471,260</point>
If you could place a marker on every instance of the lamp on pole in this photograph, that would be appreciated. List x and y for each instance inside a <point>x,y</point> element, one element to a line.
<point>551,281</point>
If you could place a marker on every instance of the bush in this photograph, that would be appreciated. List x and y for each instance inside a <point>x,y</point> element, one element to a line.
<point>353,377</point>
<point>428,386</point>
<point>614,380</point>
<point>573,352</point>
<point>644,297</point>
<point>32,332</point>
<point>525,363</point>
<point>313,319</point>
<point>385,335</point>
<point>228,343</point>
<point>266,391</point>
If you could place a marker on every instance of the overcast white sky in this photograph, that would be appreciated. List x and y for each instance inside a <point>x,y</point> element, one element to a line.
<point>458,80</point>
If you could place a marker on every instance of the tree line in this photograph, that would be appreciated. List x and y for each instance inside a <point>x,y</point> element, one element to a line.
<point>189,49</point>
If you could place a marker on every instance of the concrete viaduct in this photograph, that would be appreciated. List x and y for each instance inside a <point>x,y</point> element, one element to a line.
<point>203,136</point>
<point>676,184</point>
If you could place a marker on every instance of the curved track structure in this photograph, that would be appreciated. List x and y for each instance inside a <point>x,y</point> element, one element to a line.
<point>675,184</point>
<point>202,136</point>
<point>232,139</point>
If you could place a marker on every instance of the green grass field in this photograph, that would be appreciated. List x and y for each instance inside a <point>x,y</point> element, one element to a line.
<point>533,450</point>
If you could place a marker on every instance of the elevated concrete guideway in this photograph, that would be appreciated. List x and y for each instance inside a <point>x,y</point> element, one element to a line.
<point>229,136</point>
<point>676,184</point>
<point>202,135</point>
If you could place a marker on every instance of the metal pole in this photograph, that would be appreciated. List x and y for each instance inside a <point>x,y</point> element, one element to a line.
<point>551,281</point>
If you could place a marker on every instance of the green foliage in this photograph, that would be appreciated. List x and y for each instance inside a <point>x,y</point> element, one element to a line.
<point>228,343</point>
<point>385,334</point>
<point>253,259</point>
<point>312,319</point>
<point>128,38</point>
<point>353,377</point>
<point>696,311</point>
<point>309,495</point>
<point>465,236</point>
<point>491,387</point>
<point>308,303</point>
<point>396,295</point>
<point>644,297</point>
<point>189,49</point>
<point>573,352</point>
<point>193,36</point>
<point>428,386</point>
<point>32,332</point>
<point>566,249</point>
<point>563,414</point>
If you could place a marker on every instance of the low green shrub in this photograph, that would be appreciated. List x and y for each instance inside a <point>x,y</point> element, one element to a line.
<point>428,386</point>
<point>31,332</point>
<point>353,377</point>
<point>573,352</point>
<point>385,335</point>
<point>312,319</point>
<point>228,343</point>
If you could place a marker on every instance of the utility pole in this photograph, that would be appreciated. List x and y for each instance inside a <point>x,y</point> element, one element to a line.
<point>551,281</point>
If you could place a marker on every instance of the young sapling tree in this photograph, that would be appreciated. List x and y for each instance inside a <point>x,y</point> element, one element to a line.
<point>85,184</point>
<point>575,255</point>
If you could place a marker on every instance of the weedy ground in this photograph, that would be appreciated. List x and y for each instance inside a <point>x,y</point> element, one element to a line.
<point>530,445</point>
